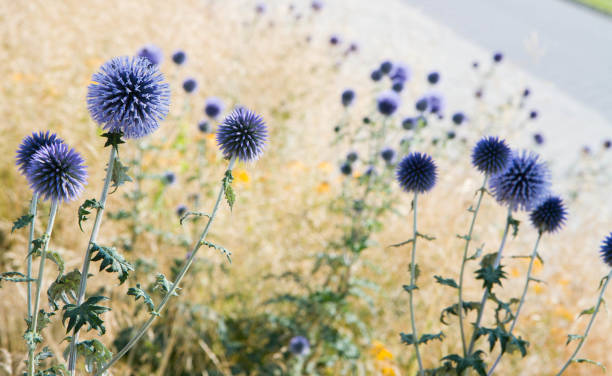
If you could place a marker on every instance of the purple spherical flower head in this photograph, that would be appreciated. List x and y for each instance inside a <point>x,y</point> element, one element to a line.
<point>526,92</point>
<point>458,118</point>
<point>498,57</point>
<point>179,57</point>
<point>204,126</point>
<point>352,156</point>
<point>388,102</point>
<point>57,172</point>
<point>491,155</point>
<point>213,107</point>
<point>387,154</point>
<point>550,215</point>
<point>152,53</point>
<point>347,97</point>
<point>400,73</point>
<point>607,144</point>
<point>346,169</point>
<point>242,134</point>
<point>606,250</point>
<point>417,173</point>
<point>299,345</point>
<point>169,177</point>
<point>376,75</point>
<point>30,145</point>
<point>316,5</point>
<point>334,40</point>
<point>181,210</point>
<point>189,85</point>
<point>451,134</point>
<point>385,67</point>
<point>523,184</point>
<point>538,138</point>
<point>128,95</point>
<point>409,123</point>
<point>432,102</point>
<point>433,78</point>
<point>260,8</point>
<point>533,114</point>
<point>397,86</point>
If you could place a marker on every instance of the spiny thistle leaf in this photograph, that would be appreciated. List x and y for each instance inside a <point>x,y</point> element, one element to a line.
<point>572,337</point>
<point>227,253</point>
<point>113,139</point>
<point>407,339</point>
<point>42,321</point>
<point>473,361</point>
<point>164,285</point>
<point>95,353</point>
<point>446,281</point>
<point>64,287</point>
<point>490,276</point>
<point>14,277</point>
<point>43,354</point>
<point>87,313</point>
<point>138,293</point>
<point>453,310</point>
<point>476,254</point>
<point>112,261</point>
<point>230,196</point>
<point>92,203</point>
<point>22,222</point>
<point>37,245</point>
<point>55,370</point>
<point>430,337</point>
<point>119,175</point>
<point>515,226</point>
<point>598,364</point>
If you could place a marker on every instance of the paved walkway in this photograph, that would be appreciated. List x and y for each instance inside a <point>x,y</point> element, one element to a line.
<point>556,40</point>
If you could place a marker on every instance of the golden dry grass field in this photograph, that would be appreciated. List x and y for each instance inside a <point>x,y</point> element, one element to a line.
<point>50,49</point>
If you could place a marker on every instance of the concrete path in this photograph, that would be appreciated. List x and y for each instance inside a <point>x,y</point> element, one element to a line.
<point>558,41</point>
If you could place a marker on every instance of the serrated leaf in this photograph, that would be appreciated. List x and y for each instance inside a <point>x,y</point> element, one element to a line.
<point>228,191</point>
<point>582,360</point>
<point>43,354</point>
<point>138,293</point>
<point>446,281</point>
<point>55,370</point>
<point>163,285</point>
<point>112,261</point>
<point>86,313</point>
<point>14,277</point>
<point>407,339</point>
<point>57,259</point>
<point>453,310</point>
<point>83,212</point>
<point>63,288</point>
<point>491,276</point>
<point>227,253</point>
<point>119,175</point>
<point>22,222</point>
<point>473,361</point>
<point>95,354</point>
<point>42,321</point>
<point>430,337</point>
<point>573,337</point>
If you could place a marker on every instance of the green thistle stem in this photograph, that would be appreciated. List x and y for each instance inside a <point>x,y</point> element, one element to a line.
<point>33,211</point>
<point>41,270</point>
<point>534,254</point>
<point>178,280</point>
<point>464,261</point>
<point>413,284</point>
<point>72,360</point>
<point>485,296</point>
<point>588,328</point>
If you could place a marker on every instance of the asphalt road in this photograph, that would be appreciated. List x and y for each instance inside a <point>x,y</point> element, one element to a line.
<point>556,40</point>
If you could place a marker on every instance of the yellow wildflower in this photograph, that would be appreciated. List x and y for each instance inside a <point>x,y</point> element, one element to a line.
<point>323,187</point>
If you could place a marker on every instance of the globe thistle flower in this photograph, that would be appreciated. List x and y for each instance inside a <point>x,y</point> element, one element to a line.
<point>607,144</point>
<point>387,154</point>
<point>400,73</point>
<point>370,171</point>
<point>334,40</point>
<point>213,107</point>
<point>523,184</point>
<point>385,67</point>
<point>533,114</point>
<point>376,75</point>
<point>409,123</point>
<point>57,172</point>
<point>451,134</point>
<point>152,53</point>
<point>352,156</point>
<point>346,169</point>
<point>498,57</point>
<point>299,346</point>
<point>181,210</point>
<point>179,57</point>
<point>347,97</point>
<point>388,102</point>
<point>353,47</point>
<point>242,134</point>
<point>538,138</point>
<point>189,85</point>
<point>421,104</point>
<point>204,126</point>
<point>260,8</point>
<point>491,155</point>
<point>432,102</point>
<point>397,86</point>
<point>417,173</point>
<point>128,95</point>
<point>169,178</point>
<point>606,250</point>
<point>30,145</point>
<point>475,65</point>
<point>479,93</point>
<point>458,118</point>
<point>316,5</point>
<point>433,78</point>
<point>550,215</point>
<point>526,92</point>
<point>586,150</point>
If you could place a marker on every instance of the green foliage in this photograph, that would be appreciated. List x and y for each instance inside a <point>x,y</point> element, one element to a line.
<point>453,310</point>
<point>228,191</point>
<point>163,285</point>
<point>64,287</point>
<point>83,212</point>
<point>572,337</point>
<point>446,281</point>
<point>42,321</point>
<point>113,139</point>
<point>473,361</point>
<point>14,277</point>
<point>505,339</point>
<point>87,313</point>
<point>490,276</point>
<point>22,222</point>
<point>138,293</point>
<point>227,253</point>
<point>119,175</point>
<point>589,361</point>
<point>95,354</point>
<point>408,339</point>
<point>112,261</point>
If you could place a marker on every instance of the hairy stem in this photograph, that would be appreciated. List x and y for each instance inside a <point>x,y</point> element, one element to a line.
<point>588,328</point>
<point>534,254</point>
<point>413,285</point>
<point>468,239</point>
<point>178,280</point>
<point>30,239</point>
<point>41,270</point>
<point>485,296</point>
<point>92,239</point>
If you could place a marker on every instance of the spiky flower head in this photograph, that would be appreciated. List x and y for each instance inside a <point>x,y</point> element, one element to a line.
<point>204,126</point>
<point>433,78</point>
<point>388,102</point>
<point>498,57</point>
<point>128,95</point>
<point>299,345</point>
<point>213,107</point>
<point>550,215</point>
<point>152,53</point>
<point>169,178</point>
<point>431,102</point>
<point>606,250</point>
<point>242,134</point>
<point>57,172</point>
<point>533,114</point>
<point>458,118</point>
<point>385,67</point>
<point>387,154</point>
<point>316,5</point>
<point>397,86</point>
<point>409,123</point>
<point>491,155</point>
<point>352,156</point>
<point>376,75</point>
<point>346,169</point>
<point>181,210</point>
<point>189,85</point>
<point>523,184</point>
<point>400,73</point>
<point>347,97</point>
<point>179,57</point>
<point>538,138</point>
<point>30,145</point>
<point>417,172</point>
